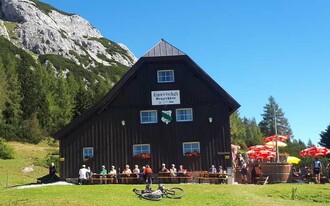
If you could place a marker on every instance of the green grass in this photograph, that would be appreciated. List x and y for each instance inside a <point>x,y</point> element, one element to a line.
<point>204,194</point>
<point>196,194</point>
<point>47,8</point>
<point>25,155</point>
<point>11,26</point>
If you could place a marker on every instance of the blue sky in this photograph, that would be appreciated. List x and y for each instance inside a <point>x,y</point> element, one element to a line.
<point>252,48</point>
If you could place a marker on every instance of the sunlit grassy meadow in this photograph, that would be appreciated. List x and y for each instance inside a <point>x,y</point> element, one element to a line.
<point>204,194</point>
<point>196,194</point>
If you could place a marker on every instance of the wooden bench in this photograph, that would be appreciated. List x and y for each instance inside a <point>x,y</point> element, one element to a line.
<point>131,179</point>
<point>165,177</point>
<point>212,178</point>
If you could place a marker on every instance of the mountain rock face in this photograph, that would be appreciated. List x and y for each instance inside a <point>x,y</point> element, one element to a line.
<point>42,29</point>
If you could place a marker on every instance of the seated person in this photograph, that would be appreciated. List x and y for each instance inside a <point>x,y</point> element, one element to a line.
<point>294,172</point>
<point>127,171</point>
<point>163,168</point>
<point>212,169</point>
<point>89,174</point>
<point>173,171</point>
<point>304,171</point>
<point>136,171</point>
<point>220,170</point>
<point>113,173</point>
<point>103,171</point>
<point>181,173</point>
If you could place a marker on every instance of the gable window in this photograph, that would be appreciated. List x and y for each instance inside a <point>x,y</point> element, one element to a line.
<point>191,147</point>
<point>148,116</point>
<point>184,115</point>
<point>165,76</point>
<point>88,152</point>
<point>139,149</point>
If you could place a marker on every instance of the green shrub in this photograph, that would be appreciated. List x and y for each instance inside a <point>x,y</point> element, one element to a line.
<point>6,152</point>
<point>52,157</point>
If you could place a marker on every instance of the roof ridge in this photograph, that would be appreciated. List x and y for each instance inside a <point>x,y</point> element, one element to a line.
<point>163,48</point>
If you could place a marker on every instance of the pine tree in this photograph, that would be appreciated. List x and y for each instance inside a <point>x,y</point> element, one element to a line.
<point>30,91</point>
<point>46,78</point>
<point>63,110</point>
<point>12,112</point>
<point>237,130</point>
<point>253,133</point>
<point>3,89</point>
<point>310,143</point>
<point>293,148</point>
<point>325,137</point>
<point>83,100</point>
<point>267,125</point>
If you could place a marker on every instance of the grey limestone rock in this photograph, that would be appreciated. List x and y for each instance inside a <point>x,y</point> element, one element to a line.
<point>56,32</point>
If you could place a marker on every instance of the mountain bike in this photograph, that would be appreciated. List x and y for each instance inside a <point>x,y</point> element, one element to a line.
<point>148,193</point>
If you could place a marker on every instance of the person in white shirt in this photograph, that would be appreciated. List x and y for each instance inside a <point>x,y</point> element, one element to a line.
<point>113,174</point>
<point>136,171</point>
<point>83,175</point>
<point>126,173</point>
<point>173,170</point>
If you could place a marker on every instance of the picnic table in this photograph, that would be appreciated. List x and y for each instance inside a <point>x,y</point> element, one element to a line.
<point>211,177</point>
<point>102,179</point>
<point>167,177</point>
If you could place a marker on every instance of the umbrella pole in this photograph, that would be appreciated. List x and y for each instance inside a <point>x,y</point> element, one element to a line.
<point>276,138</point>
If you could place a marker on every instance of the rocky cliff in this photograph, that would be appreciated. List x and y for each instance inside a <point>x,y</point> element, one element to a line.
<point>42,29</point>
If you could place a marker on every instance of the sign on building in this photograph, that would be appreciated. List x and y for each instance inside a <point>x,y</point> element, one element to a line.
<point>165,97</point>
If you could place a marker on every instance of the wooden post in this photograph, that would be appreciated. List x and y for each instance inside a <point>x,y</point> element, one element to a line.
<point>7,182</point>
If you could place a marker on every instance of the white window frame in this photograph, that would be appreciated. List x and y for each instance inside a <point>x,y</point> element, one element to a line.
<point>88,148</point>
<point>148,122</point>
<point>191,149</point>
<point>184,120</point>
<point>141,151</point>
<point>164,81</point>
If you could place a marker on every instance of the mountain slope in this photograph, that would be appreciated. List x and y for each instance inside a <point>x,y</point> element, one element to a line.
<point>54,65</point>
<point>42,29</point>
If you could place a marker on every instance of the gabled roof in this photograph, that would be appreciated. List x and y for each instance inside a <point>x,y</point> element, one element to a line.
<point>162,50</point>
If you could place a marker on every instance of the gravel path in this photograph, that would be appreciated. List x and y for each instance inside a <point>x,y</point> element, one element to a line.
<point>43,185</point>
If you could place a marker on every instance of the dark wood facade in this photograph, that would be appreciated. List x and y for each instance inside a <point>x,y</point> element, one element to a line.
<point>101,127</point>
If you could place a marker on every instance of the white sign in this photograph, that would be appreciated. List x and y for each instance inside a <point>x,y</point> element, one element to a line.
<point>165,97</point>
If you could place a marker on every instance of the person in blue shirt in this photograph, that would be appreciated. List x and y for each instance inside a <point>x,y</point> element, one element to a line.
<point>317,167</point>
<point>212,169</point>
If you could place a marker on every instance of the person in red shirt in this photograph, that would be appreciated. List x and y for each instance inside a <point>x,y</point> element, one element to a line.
<point>147,174</point>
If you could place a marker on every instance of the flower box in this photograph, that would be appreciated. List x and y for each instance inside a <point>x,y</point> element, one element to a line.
<point>192,154</point>
<point>141,156</point>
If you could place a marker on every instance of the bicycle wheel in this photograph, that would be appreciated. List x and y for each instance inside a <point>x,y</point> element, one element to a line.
<point>152,196</point>
<point>138,192</point>
<point>174,192</point>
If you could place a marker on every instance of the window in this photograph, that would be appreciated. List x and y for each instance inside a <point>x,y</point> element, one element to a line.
<point>141,149</point>
<point>88,152</point>
<point>148,116</point>
<point>165,76</point>
<point>190,147</point>
<point>184,115</point>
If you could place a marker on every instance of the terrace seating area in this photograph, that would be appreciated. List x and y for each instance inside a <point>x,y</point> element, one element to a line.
<point>161,177</point>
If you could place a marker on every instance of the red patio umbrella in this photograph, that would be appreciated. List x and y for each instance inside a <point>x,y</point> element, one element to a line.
<point>280,138</point>
<point>261,154</point>
<point>314,152</point>
<point>261,147</point>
